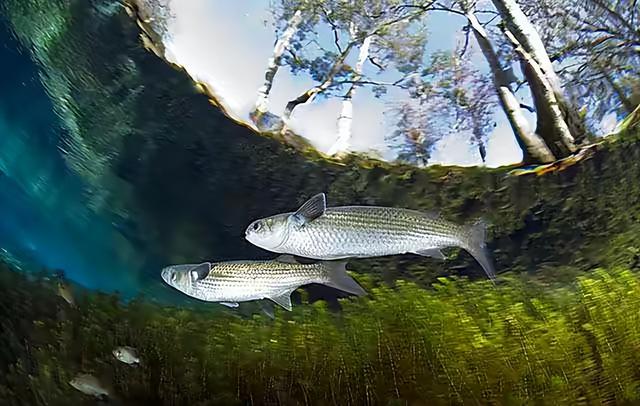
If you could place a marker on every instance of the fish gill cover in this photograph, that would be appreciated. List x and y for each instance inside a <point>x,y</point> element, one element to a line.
<point>151,146</point>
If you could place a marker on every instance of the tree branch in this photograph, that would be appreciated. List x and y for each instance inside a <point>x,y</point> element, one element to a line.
<point>527,107</point>
<point>375,63</point>
<point>467,31</point>
<point>397,83</point>
<point>336,38</point>
<point>335,68</point>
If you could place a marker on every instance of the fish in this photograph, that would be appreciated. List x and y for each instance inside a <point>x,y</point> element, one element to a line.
<point>90,385</point>
<point>128,355</point>
<point>317,232</point>
<point>65,292</point>
<point>238,281</point>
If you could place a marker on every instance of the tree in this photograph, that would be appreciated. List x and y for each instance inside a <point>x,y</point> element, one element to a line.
<point>345,119</point>
<point>596,44</point>
<point>261,107</point>
<point>385,34</point>
<point>451,97</point>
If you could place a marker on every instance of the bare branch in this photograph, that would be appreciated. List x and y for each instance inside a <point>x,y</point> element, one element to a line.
<point>527,107</point>
<point>397,83</point>
<point>467,32</point>
<point>334,27</point>
<point>375,63</point>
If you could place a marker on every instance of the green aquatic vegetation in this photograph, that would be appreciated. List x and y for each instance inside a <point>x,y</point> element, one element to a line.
<point>459,342</point>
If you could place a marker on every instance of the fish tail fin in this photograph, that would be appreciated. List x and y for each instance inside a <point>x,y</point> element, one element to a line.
<point>474,241</point>
<point>338,278</point>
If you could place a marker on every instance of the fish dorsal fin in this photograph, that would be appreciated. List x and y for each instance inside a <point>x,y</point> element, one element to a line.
<point>283,299</point>
<point>199,272</point>
<point>287,259</point>
<point>311,209</point>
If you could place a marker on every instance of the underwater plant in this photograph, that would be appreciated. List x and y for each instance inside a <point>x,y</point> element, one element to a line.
<point>457,343</point>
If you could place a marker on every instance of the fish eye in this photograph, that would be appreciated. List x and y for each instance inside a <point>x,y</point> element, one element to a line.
<point>174,277</point>
<point>257,226</point>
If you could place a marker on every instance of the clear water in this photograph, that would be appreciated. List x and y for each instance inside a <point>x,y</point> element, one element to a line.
<point>113,166</point>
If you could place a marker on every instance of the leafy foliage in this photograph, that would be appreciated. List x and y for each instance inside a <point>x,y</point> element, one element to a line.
<point>451,96</point>
<point>596,44</point>
<point>332,29</point>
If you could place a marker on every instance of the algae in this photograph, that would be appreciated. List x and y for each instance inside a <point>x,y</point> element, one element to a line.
<point>460,342</point>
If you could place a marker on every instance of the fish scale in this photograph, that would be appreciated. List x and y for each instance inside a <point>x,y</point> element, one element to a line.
<point>327,233</point>
<point>363,231</point>
<point>237,281</point>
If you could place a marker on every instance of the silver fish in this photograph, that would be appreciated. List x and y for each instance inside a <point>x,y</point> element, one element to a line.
<point>238,281</point>
<point>128,355</point>
<point>315,231</point>
<point>89,385</point>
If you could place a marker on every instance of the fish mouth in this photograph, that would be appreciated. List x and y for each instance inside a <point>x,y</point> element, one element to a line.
<point>165,274</point>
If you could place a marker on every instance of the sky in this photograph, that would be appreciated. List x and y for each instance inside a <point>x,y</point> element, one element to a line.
<point>227,45</point>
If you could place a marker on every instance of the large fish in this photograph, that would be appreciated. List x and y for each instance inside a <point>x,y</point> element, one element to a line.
<point>315,231</point>
<point>238,281</point>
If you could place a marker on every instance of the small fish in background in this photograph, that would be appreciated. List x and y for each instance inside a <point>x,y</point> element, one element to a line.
<point>315,231</point>
<point>128,355</point>
<point>239,281</point>
<point>65,292</point>
<point>90,385</point>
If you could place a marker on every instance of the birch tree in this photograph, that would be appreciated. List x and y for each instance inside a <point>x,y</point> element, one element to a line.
<point>558,121</point>
<point>596,45</point>
<point>345,120</point>
<point>379,33</point>
<point>261,106</point>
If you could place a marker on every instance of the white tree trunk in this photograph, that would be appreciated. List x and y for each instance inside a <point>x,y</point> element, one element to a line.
<point>345,120</point>
<point>274,63</point>
<point>533,147</point>
<point>557,133</point>
<point>527,35</point>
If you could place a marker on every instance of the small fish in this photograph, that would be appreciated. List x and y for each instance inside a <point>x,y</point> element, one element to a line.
<point>65,292</point>
<point>90,385</point>
<point>238,281</point>
<point>318,232</point>
<point>128,355</point>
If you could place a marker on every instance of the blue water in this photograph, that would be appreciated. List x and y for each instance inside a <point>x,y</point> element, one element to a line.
<point>44,216</point>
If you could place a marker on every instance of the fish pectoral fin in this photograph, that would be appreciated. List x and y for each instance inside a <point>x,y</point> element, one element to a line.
<point>431,252</point>
<point>310,210</point>
<point>287,259</point>
<point>283,299</point>
<point>200,271</point>
<point>230,304</point>
<point>337,277</point>
<point>267,309</point>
